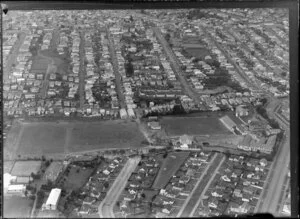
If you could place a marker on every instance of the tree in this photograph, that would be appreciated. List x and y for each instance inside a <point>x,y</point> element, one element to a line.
<point>143,195</point>
<point>165,155</point>
<point>106,184</point>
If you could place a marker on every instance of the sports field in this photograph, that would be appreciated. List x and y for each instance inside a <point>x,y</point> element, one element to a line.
<point>169,167</point>
<point>176,126</point>
<point>42,138</point>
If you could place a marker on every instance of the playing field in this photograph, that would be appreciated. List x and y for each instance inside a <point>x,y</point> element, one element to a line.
<point>42,138</point>
<point>176,126</point>
<point>25,168</point>
<point>169,167</point>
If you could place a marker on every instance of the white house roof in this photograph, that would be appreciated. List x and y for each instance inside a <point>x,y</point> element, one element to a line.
<point>53,197</point>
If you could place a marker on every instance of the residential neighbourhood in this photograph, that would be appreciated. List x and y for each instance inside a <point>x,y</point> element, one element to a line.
<point>146,113</point>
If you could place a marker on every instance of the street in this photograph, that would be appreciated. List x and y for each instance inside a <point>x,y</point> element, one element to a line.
<point>12,57</point>
<point>116,70</point>
<point>206,187</point>
<point>175,66</point>
<point>81,71</point>
<point>105,209</point>
<point>202,185</point>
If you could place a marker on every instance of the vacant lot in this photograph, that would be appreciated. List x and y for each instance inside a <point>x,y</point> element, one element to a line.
<point>42,138</point>
<point>169,167</point>
<point>25,168</point>
<point>176,126</point>
<point>17,207</point>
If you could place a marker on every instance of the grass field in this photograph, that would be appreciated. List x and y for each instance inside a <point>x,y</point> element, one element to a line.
<point>17,207</point>
<point>169,167</point>
<point>176,126</point>
<point>42,138</point>
<point>25,168</point>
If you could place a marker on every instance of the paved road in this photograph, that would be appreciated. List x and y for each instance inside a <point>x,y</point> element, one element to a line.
<point>105,209</point>
<point>81,71</point>
<point>203,183</point>
<point>12,57</point>
<point>116,69</point>
<point>196,185</point>
<point>175,66</point>
<point>206,187</point>
<point>279,168</point>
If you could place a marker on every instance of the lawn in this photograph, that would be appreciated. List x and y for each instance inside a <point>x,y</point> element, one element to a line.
<point>168,169</point>
<point>17,207</point>
<point>176,126</point>
<point>25,168</point>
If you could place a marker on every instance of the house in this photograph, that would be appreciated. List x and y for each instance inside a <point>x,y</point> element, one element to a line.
<point>167,209</point>
<point>213,203</point>
<point>263,162</point>
<point>84,210</point>
<point>88,200</point>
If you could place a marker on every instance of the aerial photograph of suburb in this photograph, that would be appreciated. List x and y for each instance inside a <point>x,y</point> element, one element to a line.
<point>146,113</point>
